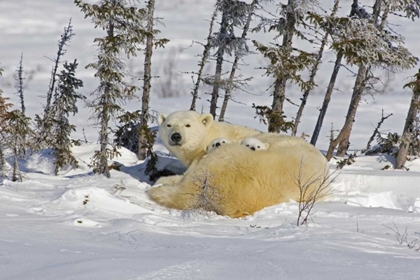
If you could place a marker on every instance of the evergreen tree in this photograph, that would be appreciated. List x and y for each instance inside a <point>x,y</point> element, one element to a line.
<point>124,27</point>
<point>367,43</point>
<point>151,42</point>
<point>4,109</point>
<point>64,103</point>
<point>286,62</point>
<point>241,51</point>
<point>327,98</point>
<point>313,72</point>
<point>44,123</point>
<point>19,86</point>
<point>15,134</point>
<point>128,131</point>
<point>203,62</point>
<point>235,13</point>
<point>410,127</point>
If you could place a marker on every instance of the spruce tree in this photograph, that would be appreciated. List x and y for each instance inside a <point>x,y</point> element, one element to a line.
<point>4,109</point>
<point>234,14</point>
<point>44,123</point>
<point>151,42</point>
<point>410,127</point>
<point>313,72</point>
<point>15,134</point>
<point>241,51</point>
<point>20,91</point>
<point>203,62</point>
<point>64,104</point>
<point>286,62</point>
<point>128,130</point>
<point>19,84</point>
<point>123,25</point>
<point>368,43</point>
<point>327,98</point>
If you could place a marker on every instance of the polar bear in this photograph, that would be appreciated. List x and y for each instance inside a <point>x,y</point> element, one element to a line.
<point>216,143</point>
<point>233,180</point>
<point>186,134</point>
<point>254,144</point>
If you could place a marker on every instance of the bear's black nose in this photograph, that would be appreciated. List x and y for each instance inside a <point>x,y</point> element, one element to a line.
<point>176,137</point>
<point>253,148</point>
<point>217,144</point>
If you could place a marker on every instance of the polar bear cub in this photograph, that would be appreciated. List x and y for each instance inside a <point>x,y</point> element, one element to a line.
<point>254,144</point>
<point>216,143</point>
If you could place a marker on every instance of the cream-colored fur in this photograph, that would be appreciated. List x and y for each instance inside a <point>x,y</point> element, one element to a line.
<point>217,143</point>
<point>254,144</point>
<point>234,180</point>
<point>197,132</point>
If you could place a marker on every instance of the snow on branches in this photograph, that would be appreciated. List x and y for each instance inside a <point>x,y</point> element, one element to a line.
<point>362,42</point>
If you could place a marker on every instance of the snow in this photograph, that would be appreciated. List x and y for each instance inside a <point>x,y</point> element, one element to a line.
<point>78,225</point>
<point>83,226</point>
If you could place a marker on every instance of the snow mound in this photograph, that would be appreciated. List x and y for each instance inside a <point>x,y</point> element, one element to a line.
<point>39,162</point>
<point>89,206</point>
<point>382,199</point>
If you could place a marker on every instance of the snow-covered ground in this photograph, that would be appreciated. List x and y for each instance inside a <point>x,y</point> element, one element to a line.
<point>81,226</point>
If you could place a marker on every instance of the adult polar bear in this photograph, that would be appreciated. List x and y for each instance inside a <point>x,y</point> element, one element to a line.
<point>233,180</point>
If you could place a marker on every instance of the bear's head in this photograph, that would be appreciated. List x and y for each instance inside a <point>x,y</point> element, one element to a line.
<point>184,132</point>
<point>254,144</point>
<point>216,143</point>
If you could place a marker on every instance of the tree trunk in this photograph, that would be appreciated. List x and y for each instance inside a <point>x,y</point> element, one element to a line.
<point>342,139</point>
<point>376,131</point>
<point>20,85</point>
<point>65,38</point>
<point>235,64</point>
<point>2,163</point>
<point>311,82</point>
<point>218,72</point>
<point>313,74</point>
<point>279,94</point>
<point>413,111</point>
<point>277,106</point>
<point>147,82</point>
<point>16,176</point>
<point>103,136</point>
<point>327,99</point>
<point>202,63</point>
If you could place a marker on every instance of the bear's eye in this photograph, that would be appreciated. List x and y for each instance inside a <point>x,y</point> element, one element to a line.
<point>247,145</point>
<point>258,147</point>
<point>188,125</point>
<point>168,125</point>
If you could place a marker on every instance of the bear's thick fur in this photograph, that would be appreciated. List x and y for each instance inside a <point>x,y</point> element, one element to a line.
<point>216,143</point>
<point>234,180</point>
<point>196,132</point>
<point>254,144</point>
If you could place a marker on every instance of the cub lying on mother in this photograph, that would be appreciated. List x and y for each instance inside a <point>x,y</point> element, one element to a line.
<point>238,181</point>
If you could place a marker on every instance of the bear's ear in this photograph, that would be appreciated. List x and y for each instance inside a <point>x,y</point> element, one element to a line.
<point>161,118</point>
<point>207,119</point>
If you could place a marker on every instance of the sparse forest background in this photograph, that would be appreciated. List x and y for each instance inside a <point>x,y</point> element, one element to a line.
<point>267,57</point>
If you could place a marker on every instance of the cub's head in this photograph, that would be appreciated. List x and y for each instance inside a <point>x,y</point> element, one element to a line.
<point>254,144</point>
<point>184,130</point>
<point>216,143</point>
